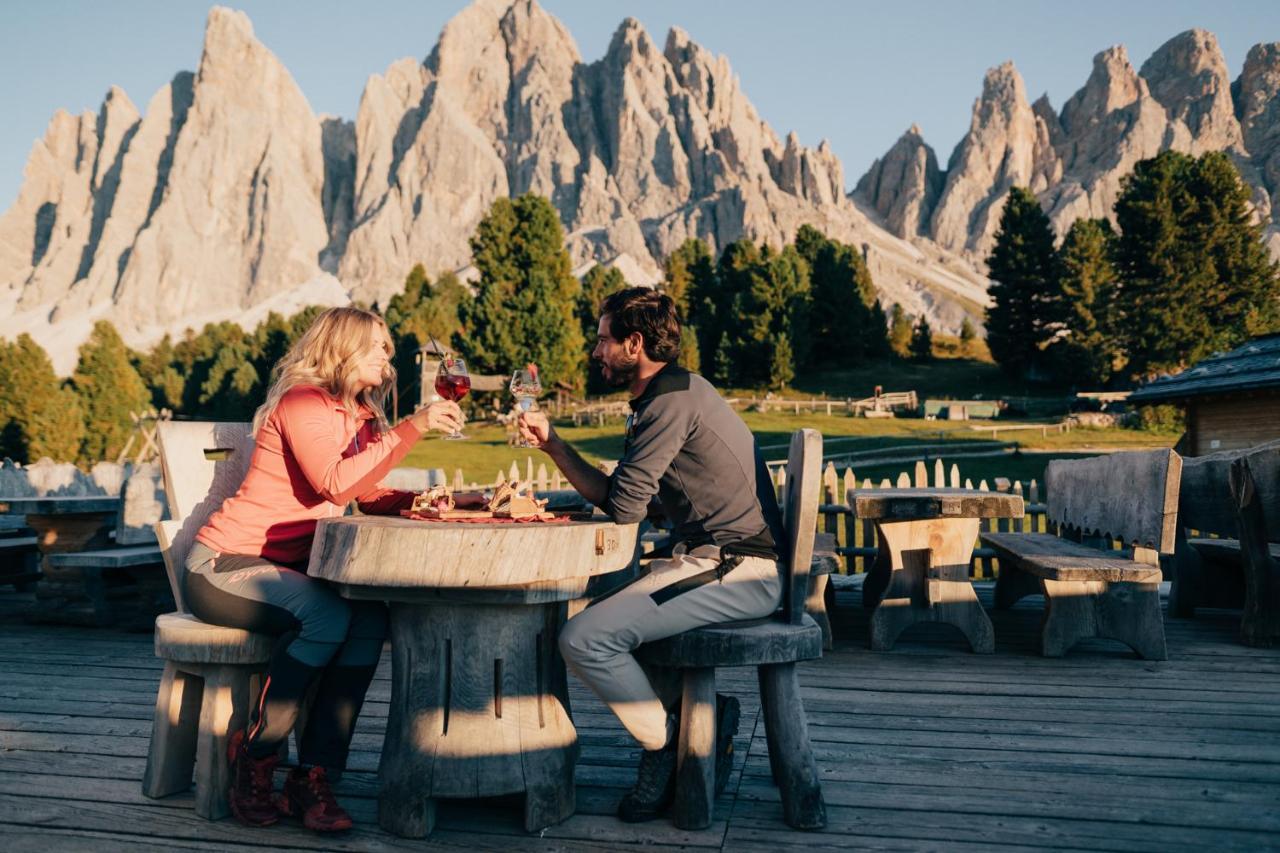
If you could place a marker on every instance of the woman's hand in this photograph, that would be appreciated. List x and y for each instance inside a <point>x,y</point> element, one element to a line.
<point>536,429</point>
<point>442,416</point>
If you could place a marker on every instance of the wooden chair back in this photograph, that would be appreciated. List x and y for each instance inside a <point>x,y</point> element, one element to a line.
<point>204,463</point>
<point>1205,504</point>
<point>1130,496</point>
<point>800,499</point>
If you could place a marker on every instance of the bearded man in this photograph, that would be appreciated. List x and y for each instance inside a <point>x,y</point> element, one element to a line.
<point>688,449</point>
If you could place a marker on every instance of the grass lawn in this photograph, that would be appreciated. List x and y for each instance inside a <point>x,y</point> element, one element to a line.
<point>486,451</point>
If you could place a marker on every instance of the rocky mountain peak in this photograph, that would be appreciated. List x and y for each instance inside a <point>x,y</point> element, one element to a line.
<point>1257,96</point>
<point>903,185</point>
<point>1113,84</point>
<point>1188,76</point>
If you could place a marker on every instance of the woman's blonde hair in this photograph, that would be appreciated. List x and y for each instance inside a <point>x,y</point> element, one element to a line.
<point>327,356</point>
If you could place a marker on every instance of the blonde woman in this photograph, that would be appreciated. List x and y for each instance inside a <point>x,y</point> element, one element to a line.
<point>322,441</point>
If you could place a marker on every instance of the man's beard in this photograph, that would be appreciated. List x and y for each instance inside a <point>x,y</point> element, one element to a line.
<point>621,374</point>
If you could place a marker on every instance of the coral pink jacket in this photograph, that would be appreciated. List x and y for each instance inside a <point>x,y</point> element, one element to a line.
<point>312,459</point>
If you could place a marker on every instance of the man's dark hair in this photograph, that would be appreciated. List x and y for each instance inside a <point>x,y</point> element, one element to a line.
<point>649,312</point>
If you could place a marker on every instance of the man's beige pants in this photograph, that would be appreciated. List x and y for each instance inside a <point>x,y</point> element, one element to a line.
<point>677,595</point>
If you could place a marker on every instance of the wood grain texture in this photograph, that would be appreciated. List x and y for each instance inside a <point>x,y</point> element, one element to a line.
<point>696,755</point>
<point>475,711</point>
<point>1088,593</point>
<point>1131,496</point>
<point>922,575</point>
<point>790,754</point>
<point>766,642</point>
<point>1047,556</point>
<point>387,552</point>
<point>204,463</point>
<point>918,504</point>
<point>175,726</point>
<point>184,638</point>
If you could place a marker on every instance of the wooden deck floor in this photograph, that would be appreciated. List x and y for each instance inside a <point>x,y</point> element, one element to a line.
<point>924,748</point>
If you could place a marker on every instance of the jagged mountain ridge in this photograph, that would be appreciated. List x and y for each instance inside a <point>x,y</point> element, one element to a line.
<point>230,197</point>
<point>1181,98</point>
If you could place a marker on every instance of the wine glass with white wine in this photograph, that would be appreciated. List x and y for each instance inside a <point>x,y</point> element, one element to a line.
<point>525,387</point>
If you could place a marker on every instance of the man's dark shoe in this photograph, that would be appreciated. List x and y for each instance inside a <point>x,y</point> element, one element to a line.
<point>307,794</point>
<point>655,786</point>
<point>250,796</point>
<point>728,712</point>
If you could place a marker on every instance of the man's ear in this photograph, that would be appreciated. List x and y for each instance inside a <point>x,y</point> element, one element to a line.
<point>635,343</point>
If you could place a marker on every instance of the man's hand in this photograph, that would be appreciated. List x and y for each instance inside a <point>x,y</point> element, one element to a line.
<point>536,429</point>
<point>442,415</point>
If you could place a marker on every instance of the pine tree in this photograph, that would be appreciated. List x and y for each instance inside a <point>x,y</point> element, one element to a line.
<point>900,332</point>
<point>597,285</point>
<point>922,341</point>
<point>1024,284</point>
<point>39,415</point>
<point>421,313</point>
<point>842,324</point>
<point>156,367</point>
<point>527,298</point>
<point>687,273</point>
<point>1084,352</point>
<point>781,363</point>
<point>109,389</point>
<point>878,337</point>
<point>1195,275</point>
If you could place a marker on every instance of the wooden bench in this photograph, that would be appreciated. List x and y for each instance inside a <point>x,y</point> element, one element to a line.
<point>123,585</point>
<point>1208,563</point>
<point>1090,590</point>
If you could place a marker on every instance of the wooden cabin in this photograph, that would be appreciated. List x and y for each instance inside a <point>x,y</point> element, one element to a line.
<point>1232,399</point>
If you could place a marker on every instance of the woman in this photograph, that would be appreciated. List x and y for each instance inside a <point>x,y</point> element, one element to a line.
<point>322,441</point>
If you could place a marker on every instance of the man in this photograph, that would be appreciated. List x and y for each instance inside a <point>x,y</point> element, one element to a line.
<point>687,448</point>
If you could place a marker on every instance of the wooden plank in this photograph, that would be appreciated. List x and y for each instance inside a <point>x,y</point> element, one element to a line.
<point>1132,496</point>
<point>933,503</point>
<point>1050,557</point>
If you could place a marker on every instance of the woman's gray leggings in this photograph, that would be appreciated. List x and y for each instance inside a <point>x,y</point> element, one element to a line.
<point>321,636</point>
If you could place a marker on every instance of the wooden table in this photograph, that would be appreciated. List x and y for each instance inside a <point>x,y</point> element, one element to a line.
<point>921,571</point>
<point>65,524</point>
<point>479,695</point>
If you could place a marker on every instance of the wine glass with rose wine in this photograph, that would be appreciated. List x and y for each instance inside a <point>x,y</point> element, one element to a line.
<point>525,387</point>
<point>452,383</point>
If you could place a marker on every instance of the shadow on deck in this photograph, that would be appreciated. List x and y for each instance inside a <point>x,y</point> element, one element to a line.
<point>926,747</point>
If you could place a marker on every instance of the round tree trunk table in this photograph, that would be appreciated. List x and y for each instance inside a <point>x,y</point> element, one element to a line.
<point>921,572</point>
<point>479,695</point>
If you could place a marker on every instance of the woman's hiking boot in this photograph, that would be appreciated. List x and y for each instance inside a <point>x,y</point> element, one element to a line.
<point>250,796</point>
<point>308,795</point>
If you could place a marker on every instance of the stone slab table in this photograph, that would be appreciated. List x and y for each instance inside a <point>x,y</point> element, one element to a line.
<point>479,694</point>
<point>921,572</point>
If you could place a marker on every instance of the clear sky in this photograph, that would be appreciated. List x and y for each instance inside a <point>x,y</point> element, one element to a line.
<point>856,73</point>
